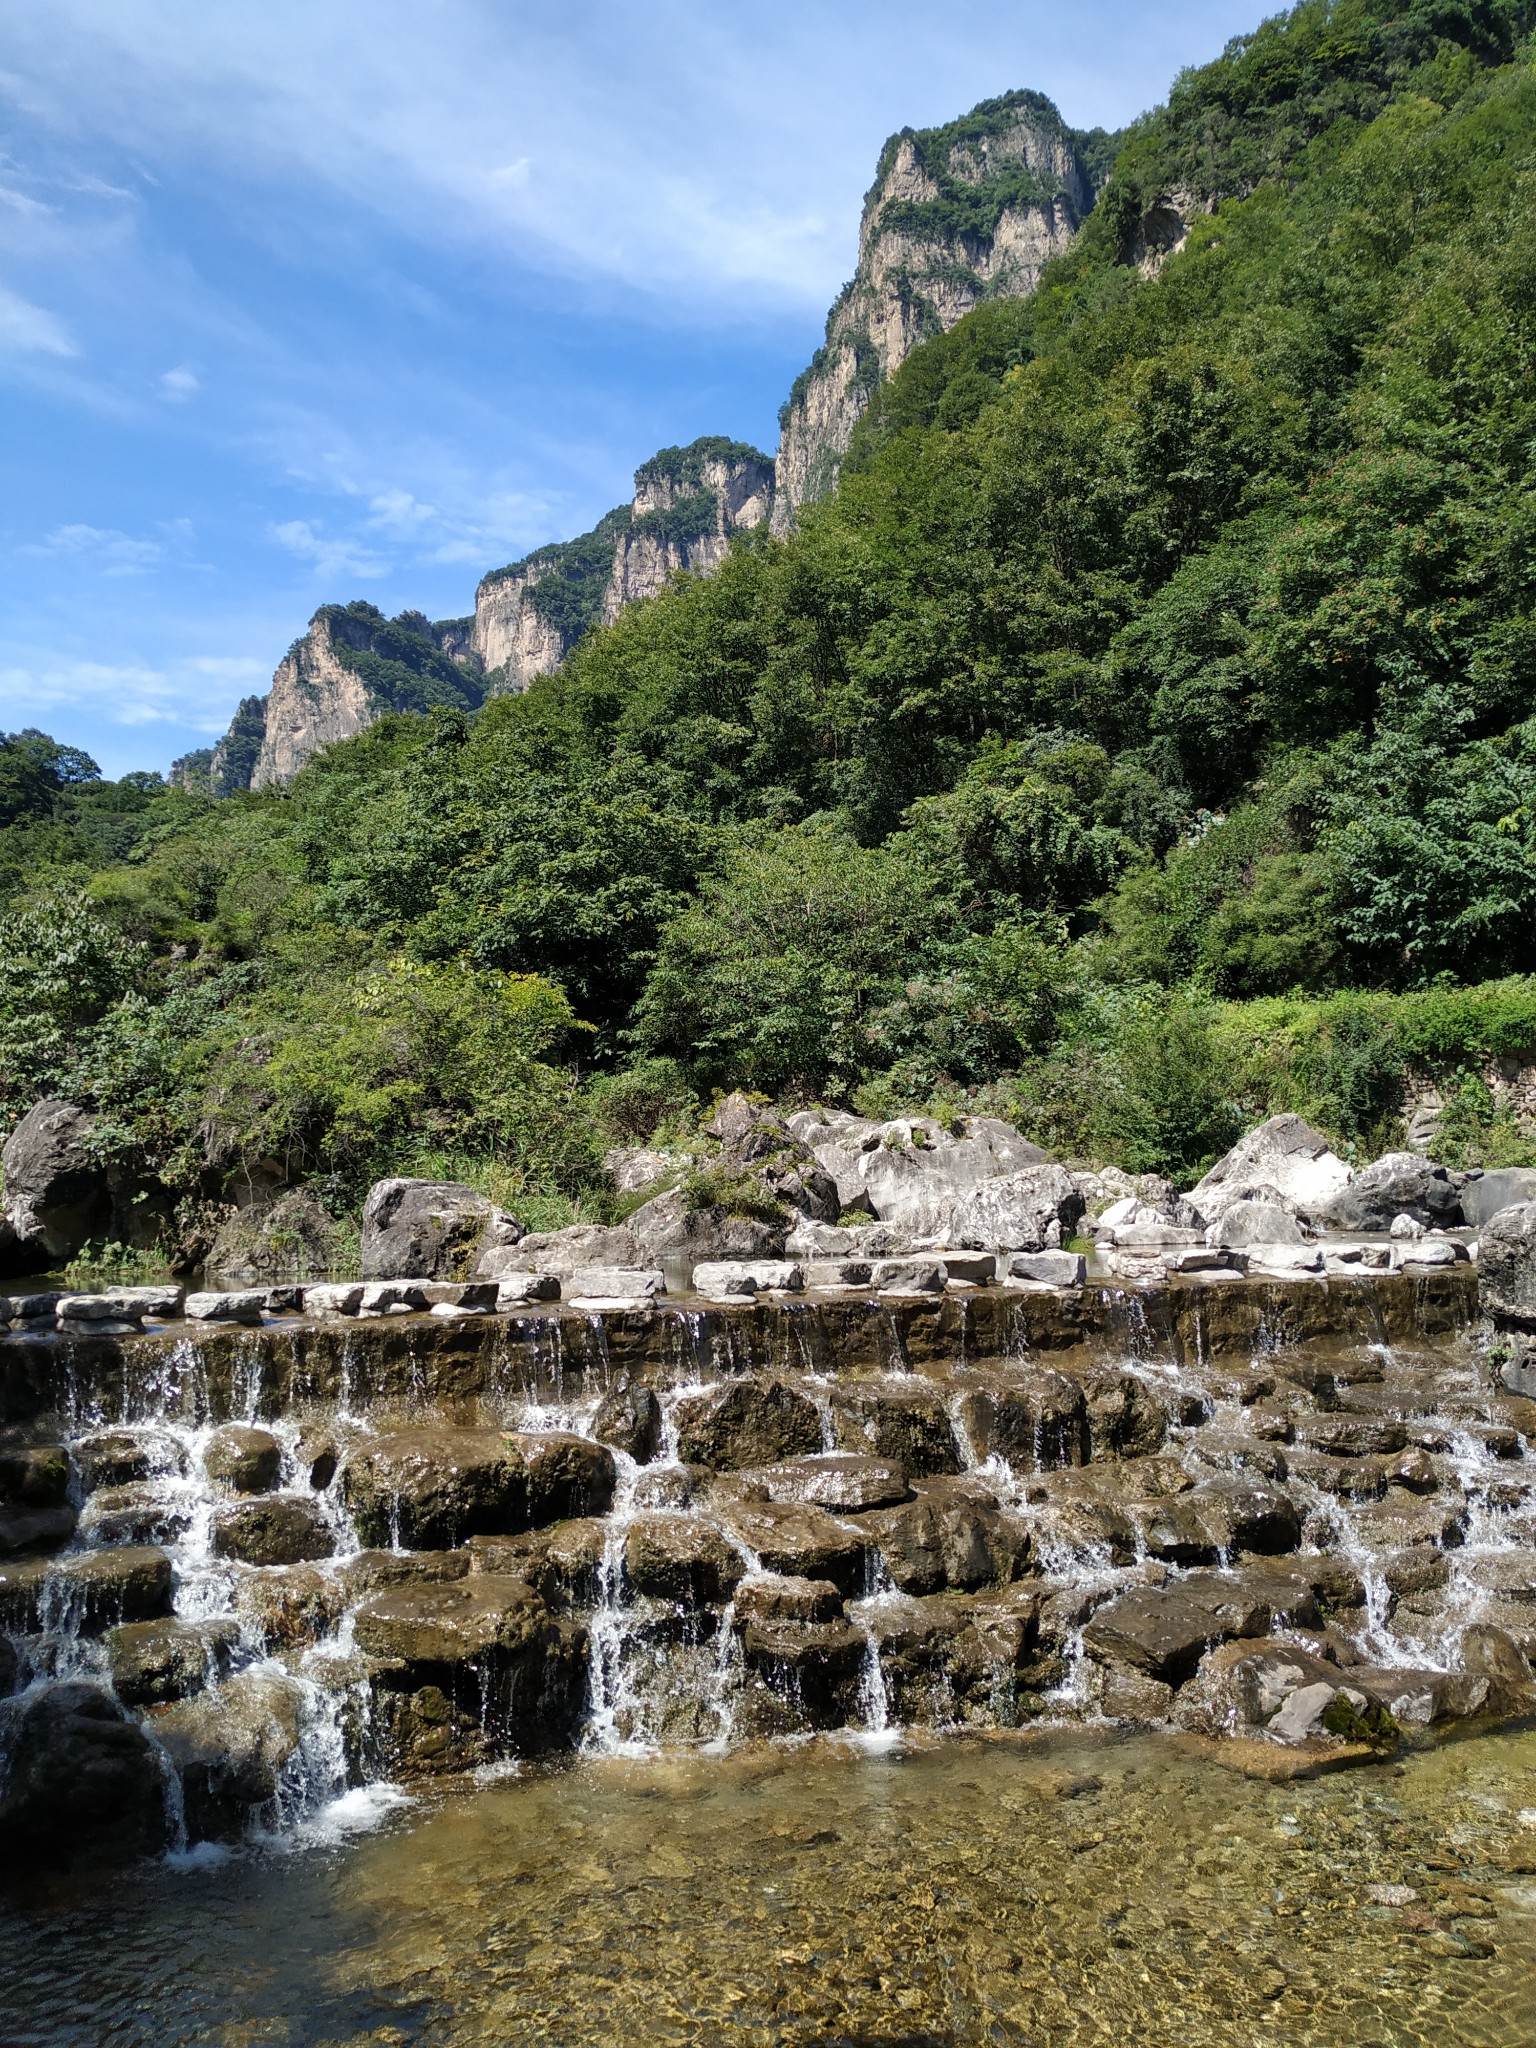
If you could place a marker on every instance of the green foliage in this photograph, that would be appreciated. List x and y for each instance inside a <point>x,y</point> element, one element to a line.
<point>62,969</point>
<point>240,748</point>
<point>567,580</point>
<point>738,1194</point>
<point>401,668</point>
<point>688,519</point>
<point>684,467</point>
<point>639,1102</point>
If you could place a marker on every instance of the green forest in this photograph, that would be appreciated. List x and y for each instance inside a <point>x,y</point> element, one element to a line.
<point>1141,740</point>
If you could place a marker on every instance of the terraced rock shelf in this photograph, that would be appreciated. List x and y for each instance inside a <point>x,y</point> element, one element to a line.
<point>253,1565</point>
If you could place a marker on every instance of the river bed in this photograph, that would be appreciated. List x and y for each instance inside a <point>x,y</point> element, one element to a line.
<point>1034,1890</point>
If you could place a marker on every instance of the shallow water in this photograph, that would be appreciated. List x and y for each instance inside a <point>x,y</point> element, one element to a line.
<point>1006,1889</point>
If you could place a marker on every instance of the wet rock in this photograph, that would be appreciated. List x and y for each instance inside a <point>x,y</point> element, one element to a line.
<point>98,1589</point>
<point>369,1571</point>
<point>229,1745</point>
<point>122,1457</point>
<point>1493,1654</point>
<point>276,1529</point>
<point>813,1667</point>
<point>82,1782</point>
<point>155,1662</point>
<point>56,1192</point>
<point>33,1531</point>
<point>746,1422</point>
<point>430,1230</point>
<point>1219,1518</point>
<point>954,1535</point>
<point>1353,1436</point>
<point>1125,1418</point>
<point>1421,1698</point>
<point>1132,1696</point>
<point>289,1607</point>
<point>843,1481</point>
<point>13,1668</point>
<point>1241,1685</point>
<point>628,1419</point>
<point>1401,1184</point>
<point>421,1623</point>
<point>146,1513</point>
<point>732,1279</point>
<point>1165,1630</point>
<point>681,1558</point>
<point>562,1564</point>
<point>432,1487</point>
<point>34,1475</point>
<point>908,1425</point>
<point>1403,1521</point>
<point>949,1659</point>
<point>242,1459</point>
<point>801,1542</point>
<point>771,1598</point>
<point>1034,1419</point>
<point>1415,1470</point>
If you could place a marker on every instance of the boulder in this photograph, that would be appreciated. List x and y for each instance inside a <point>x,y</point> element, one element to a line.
<point>29,1531</point>
<point>229,1745</point>
<point>155,1662</point>
<point>288,1607</point>
<point>633,1167</point>
<point>369,1571</point>
<point>1401,1184</point>
<point>912,1171</point>
<point>566,1475</point>
<point>239,1305</point>
<point>948,1658</point>
<point>1506,1266</point>
<point>457,1622</point>
<point>629,1419</point>
<point>1031,1417</point>
<point>563,1564</point>
<point>560,1252</point>
<point>666,1228</point>
<point>433,1230</point>
<point>681,1558</point>
<point>862,1242</point>
<point>243,1460</point>
<point>740,1423</point>
<point>1253,1221</point>
<point>82,1782</point>
<point>905,1423</point>
<point>119,1305</point>
<point>754,1139</point>
<point>1285,1154</point>
<point>1164,1631</point>
<point>616,1283</point>
<point>1486,1195</point>
<point>275,1529</point>
<point>56,1194</point>
<point>1033,1209</point>
<point>122,1457</point>
<point>802,1542</point>
<point>908,1276</point>
<point>1243,1684</point>
<point>953,1535</point>
<point>289,1239</point>
<point>1126,1419</point>
<point>770,1597</point>
<point>844,1481</point>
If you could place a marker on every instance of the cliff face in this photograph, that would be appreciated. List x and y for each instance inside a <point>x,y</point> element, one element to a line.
<point>314,701</point>
<point>687,504</point>
<point>956,215</point>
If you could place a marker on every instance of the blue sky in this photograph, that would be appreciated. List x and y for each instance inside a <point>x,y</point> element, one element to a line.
<point>307,302</point>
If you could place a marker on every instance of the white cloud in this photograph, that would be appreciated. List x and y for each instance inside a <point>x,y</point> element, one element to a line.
<point>513,174</point>
<point>180,384</point>
<point>398,512</point>
<point>327,556</point>
<point>117,554</point>
<point>26,329</point>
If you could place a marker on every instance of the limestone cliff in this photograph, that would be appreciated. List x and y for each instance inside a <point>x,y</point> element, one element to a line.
<point>687,504</point>
<point>956,215</point>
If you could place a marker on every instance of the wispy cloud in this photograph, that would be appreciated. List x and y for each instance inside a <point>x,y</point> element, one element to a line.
<point>180,384</point>
<point>118,554</point>
<point>327,555</point>
<point>26,329</point>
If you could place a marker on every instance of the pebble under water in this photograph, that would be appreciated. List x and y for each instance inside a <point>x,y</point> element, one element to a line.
<point>1018,1889</point>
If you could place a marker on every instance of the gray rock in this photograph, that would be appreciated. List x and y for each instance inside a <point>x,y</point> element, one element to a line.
<point>1033,1209</point>
<point>243,1305</point>
<point>290,1238</point>
<point>909,1425</point>
<point>82,1781</point>
<point>770,1598</point>
<point>633,1167</point>
<point>756,1140</point>
<point>436,1230</point>
<point>56,1195</point>
<point>953,1535</point>
<point>333,1298</point>
<point>1249,1222</point>
<point>725,1278</point>
<point>561,1252</point>
<point>1165,1630</point>
<point>521,1288</point>
<point>861,1242</point>
<point>120,1305</point>
<point>800,1542</point>
<point>1401,1184</point>
<point>911,1171</point>
<point>908,1276</point>
<point>1285,1154</point>
<point>1048,1269</point>
<point>843,1481</point>
<point>666,1228</point>
<point>610,1283</point>
<point>1486,1195</point>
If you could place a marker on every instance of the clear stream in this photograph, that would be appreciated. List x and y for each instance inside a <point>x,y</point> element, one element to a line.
<point>1029,1889</point>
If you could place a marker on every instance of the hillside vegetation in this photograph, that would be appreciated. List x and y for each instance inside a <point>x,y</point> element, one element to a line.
<point>1143,738</point>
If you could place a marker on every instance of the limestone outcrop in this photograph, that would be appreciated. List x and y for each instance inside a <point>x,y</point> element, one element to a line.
<point>958,214</point>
